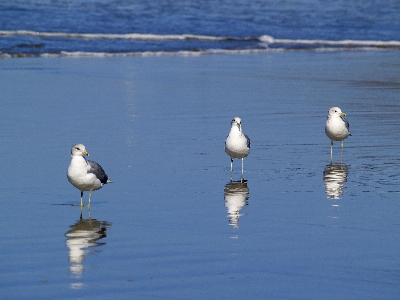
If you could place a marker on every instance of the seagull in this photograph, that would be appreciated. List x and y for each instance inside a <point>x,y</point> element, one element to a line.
<point>85,175</point>
<point>237,144</point>
<point>336,127</point>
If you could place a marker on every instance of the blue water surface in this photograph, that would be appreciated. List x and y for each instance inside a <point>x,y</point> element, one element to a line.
<point>173,225</point>
<point>134,82</point>
<point>242,20</point>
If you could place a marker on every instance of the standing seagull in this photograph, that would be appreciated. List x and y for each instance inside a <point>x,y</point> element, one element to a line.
<point>336,127</point>
<point>85,175</point>
<point>237,144</point>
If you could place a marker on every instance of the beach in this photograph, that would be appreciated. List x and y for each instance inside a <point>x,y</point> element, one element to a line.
<point>166,228</point>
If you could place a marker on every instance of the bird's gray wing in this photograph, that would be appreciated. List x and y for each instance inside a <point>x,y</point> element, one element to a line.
<point>248,141</point>
<point>96,169</point>
<point>345,122</point>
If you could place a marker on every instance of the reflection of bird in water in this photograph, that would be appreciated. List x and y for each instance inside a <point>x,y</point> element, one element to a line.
<point>85,175</point>
<point>236,195</point>
<point>85,233</point>
<point>237,144</point>
<point>336,127</point>
<point>335,176</point>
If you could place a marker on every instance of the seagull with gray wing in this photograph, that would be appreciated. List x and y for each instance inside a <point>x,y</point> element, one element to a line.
<point>337,127</point>
<point>237,144</point>
<point>85,175</point>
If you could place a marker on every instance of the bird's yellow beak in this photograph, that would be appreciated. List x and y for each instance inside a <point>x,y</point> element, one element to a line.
<point>342,114</point>
<point>85,153</point>
<point>239,124</point>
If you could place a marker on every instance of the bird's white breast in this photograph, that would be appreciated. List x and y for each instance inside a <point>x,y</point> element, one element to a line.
<point>336,129</point>
<point>236,144</point>
<point>78,176</point>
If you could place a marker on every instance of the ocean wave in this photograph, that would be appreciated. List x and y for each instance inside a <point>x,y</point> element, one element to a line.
<point>199,45</point>
<point>267,39</point>
<point>78,54</point>
<point>271,40</point>
<point>122,36</point>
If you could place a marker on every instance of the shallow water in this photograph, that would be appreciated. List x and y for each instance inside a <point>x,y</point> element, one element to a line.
<point>172,226</point>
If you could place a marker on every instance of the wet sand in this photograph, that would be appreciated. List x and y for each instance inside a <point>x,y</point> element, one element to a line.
<point>172,226</point>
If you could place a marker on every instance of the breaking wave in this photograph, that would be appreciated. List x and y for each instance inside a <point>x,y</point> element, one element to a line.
<point>202,44</point>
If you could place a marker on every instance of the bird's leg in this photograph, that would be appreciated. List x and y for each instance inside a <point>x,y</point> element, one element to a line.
<point>81,198</point>
<point>341,153</point>
<point>242,165</point>
<point>90,196</point>
<point>331,149</point>
<point>80,217</point>
<point>231,163</point>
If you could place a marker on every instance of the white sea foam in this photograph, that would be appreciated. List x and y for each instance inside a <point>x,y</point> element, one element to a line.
<point>263,44</point>
<point>272,40</point>
<point>268,39</point>
<point>158,53</point>
<point>78,54</point>
<point>126,36</point>
<point>188,53</point>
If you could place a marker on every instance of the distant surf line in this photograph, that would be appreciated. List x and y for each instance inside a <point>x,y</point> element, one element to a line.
<point>123,36</point>
<point>267,39</point>
<point>188,53</point>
